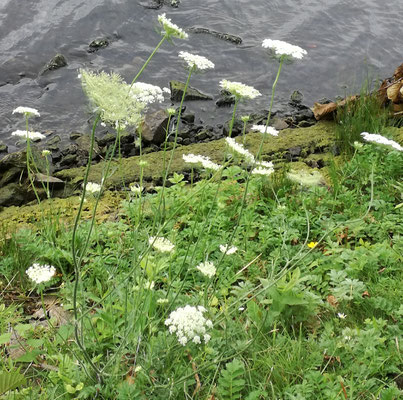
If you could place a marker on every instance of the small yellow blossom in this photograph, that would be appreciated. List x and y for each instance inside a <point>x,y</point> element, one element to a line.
<point>312,245</point>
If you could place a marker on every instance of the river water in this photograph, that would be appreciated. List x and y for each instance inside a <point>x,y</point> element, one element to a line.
<point>346,40</point>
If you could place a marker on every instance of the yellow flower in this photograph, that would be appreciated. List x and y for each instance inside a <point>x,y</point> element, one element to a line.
<point>312,245</point>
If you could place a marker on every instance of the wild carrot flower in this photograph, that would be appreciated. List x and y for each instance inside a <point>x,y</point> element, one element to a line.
<point>34,136</point>
<point>189,324</point>
<point>28,111</point>
<point>263,129</point>
<point>240,150</point>
<point>262,171</point>
<point>264,164</point>
<point>228,250</point>
<point>207,268</point>
<point>203,160</point>
<point>375,138</point>
<point>170,29</point>
<point>281,48</point>
<point>146,93</point>
<point>92,188</point>
<point>240,90</point>
<point>161,244</point>
<point>40,273</point>
<point>194,61</point>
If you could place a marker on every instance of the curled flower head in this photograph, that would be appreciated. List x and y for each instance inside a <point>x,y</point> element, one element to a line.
<point>375,138</point>
<point>240,150</point>
<point>189,324</point>
<point>281,48</point>
<point>161,244</point>
<point>240,90</point>
<point>136,189</point>
<point>28,111</point>
<point>196,62</point>
<point>45,153</point>
<point>171,111</point>
<point>265,129</point>
<point>203,160</point>
<point>170,29</point>
<point>228,250</point>
<point>245,118</point>
<point>40,273</point>
<point>207,268</point>
<point>34,136</point>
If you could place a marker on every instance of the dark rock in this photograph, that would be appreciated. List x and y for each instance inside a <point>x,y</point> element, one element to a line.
<point>296,97</point>
<point>177,89</point>
<point>14,195</point>
<point>187,141</point>
<point>68,160</point>
<point>97,44</point>
<point>107,139</point>
<point>202,135</point>
<point>188,118</point>
<point>58,61</point>
<point>236,129</point>
<point>153,127</point>
<point>3,148</point>
<point>306,124</point>
<point>53,141</point>
<point>75,135</point>
<point>279,123</point>
<point>226,100</point>
<point>304,114</point>
<point>220,35</point>
<point>47,179</point>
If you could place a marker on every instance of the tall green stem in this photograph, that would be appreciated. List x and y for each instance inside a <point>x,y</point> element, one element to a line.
<point>29,155</point>
<point>148,60</point>
<point>271,106</point>
<point>231,126</point>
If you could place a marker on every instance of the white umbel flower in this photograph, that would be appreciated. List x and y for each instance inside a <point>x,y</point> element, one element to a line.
<point>265,164</point>
<point>40,273</point>
<point>189,324</point>
<point>240,90</point>
<point>34,136</point>
<point>92,188</point>
<point>161,244</point>
<point>228,249</point>
<point>240,150</point>
<point>136,189</point>
<point>194,61</point>
<point>281,48</point>
<point>263,129</point>
<point>147,93</point>
<point>207,268</point>
<point>375,138</point>
<point>27,111</point>
<point>170,29</point>
<point>203,160</point>
<point>262,171</point>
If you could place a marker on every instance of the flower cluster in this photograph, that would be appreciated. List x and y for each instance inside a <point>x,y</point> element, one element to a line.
<point>375,138</point>
<point>35,136</point>
<point>265,129</point>
<point>40,273</point>
<point>136,189</point>
<point>207,268</point>
<point>194,61</point>
<point>203,160</point>
<point>240,90</point>
<point>228,250</point>
<point>262,171</point>
<point>239,149</point>
<point>161,244</point>
<point>146,93</point>
<point>281,48</point>
<point>170,29</point>
<point>28,111</point>
<point>189,324</point>
<point>92,188</point>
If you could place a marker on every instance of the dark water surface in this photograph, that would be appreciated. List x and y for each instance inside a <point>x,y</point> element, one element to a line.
<point>345,40</point>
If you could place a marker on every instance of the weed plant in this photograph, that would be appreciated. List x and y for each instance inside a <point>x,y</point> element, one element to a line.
<point>242,285</point>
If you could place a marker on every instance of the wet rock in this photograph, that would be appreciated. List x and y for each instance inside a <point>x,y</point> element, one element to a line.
<point>279,123</point>
<point>226,99</point>
<point>296,97</point>
<point>202,135</point>
<point>177,89</point>
<point>13,194</point>
<point>98,44</point>
<point>153,127</point>
<point>47,179</point>
<point>68,160</point>
<point>3,148</point>
<point>220,35</point>
<point>53,143</point>
<point>305,124</point>
<point>75,135</point>
<point>236,129</point>
<point>304,114</point>
<point>188,118</point>
<point>58,61</point>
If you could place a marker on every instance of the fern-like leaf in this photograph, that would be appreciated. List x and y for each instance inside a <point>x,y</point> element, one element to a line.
<point>230,382</point>
<point>10,381</point>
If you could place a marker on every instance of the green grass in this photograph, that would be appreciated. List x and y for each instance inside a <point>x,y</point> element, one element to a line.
<point>274,304</point>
